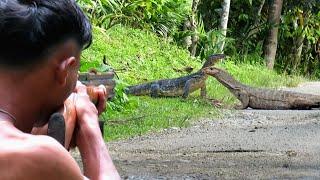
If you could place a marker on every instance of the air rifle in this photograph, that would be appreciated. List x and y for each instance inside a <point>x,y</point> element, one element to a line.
<point>57,121</point>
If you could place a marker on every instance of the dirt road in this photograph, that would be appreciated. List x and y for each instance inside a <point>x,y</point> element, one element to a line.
<point>247,144</point>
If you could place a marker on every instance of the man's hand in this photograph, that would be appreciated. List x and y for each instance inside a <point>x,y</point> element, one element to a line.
<point>97,95</point>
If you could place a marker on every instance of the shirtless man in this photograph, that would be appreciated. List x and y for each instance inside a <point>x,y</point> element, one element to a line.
<point>40,46</point>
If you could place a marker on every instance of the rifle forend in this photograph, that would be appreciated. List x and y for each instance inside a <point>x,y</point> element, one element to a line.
<point>96,79</point>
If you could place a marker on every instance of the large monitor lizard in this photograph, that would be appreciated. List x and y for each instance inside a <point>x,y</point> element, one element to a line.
<point>181,86</point>
<point>259,98</point>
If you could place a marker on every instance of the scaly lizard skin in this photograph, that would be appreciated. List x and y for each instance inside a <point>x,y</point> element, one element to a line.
<point>181,86</point>
<point>259,98</point>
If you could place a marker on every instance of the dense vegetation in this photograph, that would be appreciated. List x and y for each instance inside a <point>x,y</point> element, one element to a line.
<point>145,40</point>
<point>298,49</point>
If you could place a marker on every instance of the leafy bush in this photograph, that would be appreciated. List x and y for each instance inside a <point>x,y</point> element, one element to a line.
<point>300,30</point>
<point>248,27</point>
<point>161,16</point>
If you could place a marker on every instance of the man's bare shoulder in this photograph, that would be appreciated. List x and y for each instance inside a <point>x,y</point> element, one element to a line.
<point>36,157</point>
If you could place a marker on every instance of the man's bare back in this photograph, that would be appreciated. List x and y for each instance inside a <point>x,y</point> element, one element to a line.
<point>26,156</point>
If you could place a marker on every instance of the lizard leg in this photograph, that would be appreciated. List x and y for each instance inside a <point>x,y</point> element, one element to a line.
<point>155,88</point>
<point>244,99</point>
<point>186,89</point>
<point>203,91</point>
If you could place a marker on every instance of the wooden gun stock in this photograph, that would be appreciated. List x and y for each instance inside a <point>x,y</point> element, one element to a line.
<point>57,121</point>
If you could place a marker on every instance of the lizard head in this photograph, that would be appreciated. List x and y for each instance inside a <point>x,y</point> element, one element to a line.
<point>211,71</point>
<point>212,60</point>
<point>223,77</point>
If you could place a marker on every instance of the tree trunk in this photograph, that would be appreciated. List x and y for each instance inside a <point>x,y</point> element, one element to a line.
<point>298,44</point>
<point>271,44</point>
<point>193,22</point>
<point>298,39</point>
<point>296,47</point>
<point>259,10</point>
<point>186,28</point>
<point>224,21</point>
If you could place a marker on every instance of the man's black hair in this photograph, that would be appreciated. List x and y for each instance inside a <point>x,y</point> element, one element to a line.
<point>29,28</point>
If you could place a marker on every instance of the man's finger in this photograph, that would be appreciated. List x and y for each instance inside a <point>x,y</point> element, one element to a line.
<point>104,89</point>
<point>80,88</point>
<point>102,96</point>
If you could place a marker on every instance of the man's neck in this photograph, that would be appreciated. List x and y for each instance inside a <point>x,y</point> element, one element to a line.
<point>20,98</point>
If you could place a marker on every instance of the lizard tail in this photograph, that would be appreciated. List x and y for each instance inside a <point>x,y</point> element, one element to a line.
<point>138,90</point>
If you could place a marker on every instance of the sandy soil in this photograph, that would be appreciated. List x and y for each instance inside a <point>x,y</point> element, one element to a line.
<point>246,144</point>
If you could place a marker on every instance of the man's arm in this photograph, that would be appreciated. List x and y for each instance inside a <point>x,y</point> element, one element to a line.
<point>97,161</point>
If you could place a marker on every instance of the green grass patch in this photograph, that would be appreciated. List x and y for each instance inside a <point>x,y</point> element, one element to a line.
<point>140,56</point>
<point>156,114</point>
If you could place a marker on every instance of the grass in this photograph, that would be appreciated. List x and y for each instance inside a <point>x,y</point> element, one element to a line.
<point>156,114</point>
<point>140,56</point>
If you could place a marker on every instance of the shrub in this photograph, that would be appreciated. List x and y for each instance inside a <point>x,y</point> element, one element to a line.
<point>161,16</point>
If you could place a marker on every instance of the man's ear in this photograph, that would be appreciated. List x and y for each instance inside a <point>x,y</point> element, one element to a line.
<point>64,68</point>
